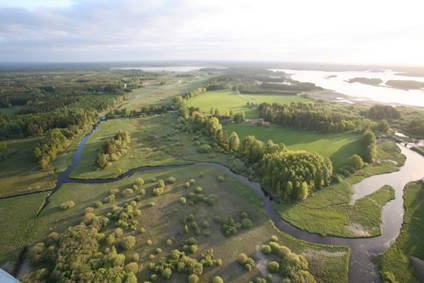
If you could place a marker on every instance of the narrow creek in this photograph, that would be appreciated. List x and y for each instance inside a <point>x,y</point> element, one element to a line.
<point>363,250</point>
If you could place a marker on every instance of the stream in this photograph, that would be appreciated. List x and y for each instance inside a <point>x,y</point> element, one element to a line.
<point>363,250</point>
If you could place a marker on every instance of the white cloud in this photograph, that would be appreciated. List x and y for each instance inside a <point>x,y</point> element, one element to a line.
<point>323,31</point>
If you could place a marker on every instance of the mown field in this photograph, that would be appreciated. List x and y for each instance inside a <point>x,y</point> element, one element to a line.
<point>397,261</point>
<point>227,101</point>
<point>162,218</point>
<point>338,147</point>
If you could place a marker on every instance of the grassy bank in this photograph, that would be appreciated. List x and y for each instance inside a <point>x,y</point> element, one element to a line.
<point>396,261</point>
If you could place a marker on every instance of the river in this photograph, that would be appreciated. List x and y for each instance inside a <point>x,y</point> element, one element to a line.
<point>361,268</point>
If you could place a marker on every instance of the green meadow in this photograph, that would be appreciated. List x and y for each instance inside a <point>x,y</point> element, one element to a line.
<point>227,100</point>
<point>338,147</point>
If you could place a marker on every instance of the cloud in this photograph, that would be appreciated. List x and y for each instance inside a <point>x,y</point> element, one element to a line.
<point>108,30</point>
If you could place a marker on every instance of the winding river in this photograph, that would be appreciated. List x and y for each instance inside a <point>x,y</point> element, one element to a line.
<point>362,268</point>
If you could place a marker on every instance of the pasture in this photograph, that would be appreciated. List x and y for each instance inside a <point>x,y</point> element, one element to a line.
<point>338,147</point>
<point>227,100</point>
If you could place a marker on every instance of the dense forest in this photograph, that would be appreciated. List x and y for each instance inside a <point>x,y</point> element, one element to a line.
<point>310,116</point>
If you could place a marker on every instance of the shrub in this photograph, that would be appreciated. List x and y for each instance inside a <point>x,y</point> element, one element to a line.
<point>183,200</point>
<point>217,279</point>
<point>204,148</point>
<point>187,185</point>
<point>221,178</point>
<point>149,242</point>
<point>246,223</point>
<point>266,249</point>
<point>158,191</point>
<point>274,238</point>
<point>119,232</point>
<point>158,250</point>
<point>169,242</point>
<point>198,190</point>
<point>139,181</point>
<point>160,183</point>
<point>67,205</point>
<point>242,258</point>
<point>273,266</point>
<point>128,242</point>
<point>193,278</point>
<point>167,273</point>
<point>132,267</point>
<point>98,204</point>
<point>192,181</point>
<point>171,180</point>
<point>36,252</point>
<point>142,230</point>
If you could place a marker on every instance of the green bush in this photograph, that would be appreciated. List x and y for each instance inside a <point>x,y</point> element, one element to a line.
<point>158,191</point>
<point>221,178</point>
<point>183,200</point>
<point>128,242</point>
<point>67,205</point>
<point>167,273</point>
<point>266,249</point>
<point>198,190</point>
<point>246,223</point>
<point>273,266</point>
<point>193,278</point>
<point>171,180</point>
<point>204,148</point>
<point>139,181</point>
<point>132,267</point>
<point>217,279</point>
<point>242,258</point>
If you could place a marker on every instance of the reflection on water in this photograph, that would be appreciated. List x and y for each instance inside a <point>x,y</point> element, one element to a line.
<point>338,81</point>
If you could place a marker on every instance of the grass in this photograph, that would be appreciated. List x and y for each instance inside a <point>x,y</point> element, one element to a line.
<point>329,212</point>
<point>409,243</point>
<point>18,217</point>
<point>163,221</point>
<point>227,101</point>
<point>338,147</point>
<point>19,173</point>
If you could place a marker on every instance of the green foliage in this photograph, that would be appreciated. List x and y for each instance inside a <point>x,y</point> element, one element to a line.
<point>128,242</point>
<point>273,266</point>
<point>217,279</point>
<point>357,162</point>
<point>114,149</point>
<point>293,174</point>
<point>234,142</point>
<point>67,205</point>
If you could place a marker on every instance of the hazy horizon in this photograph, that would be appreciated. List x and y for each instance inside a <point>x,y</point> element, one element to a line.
<point>358,33</point>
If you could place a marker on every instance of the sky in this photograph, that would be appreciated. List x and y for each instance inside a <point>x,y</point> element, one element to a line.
<point>326,31</point>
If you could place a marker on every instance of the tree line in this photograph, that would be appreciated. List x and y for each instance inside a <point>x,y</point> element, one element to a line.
<point>308,116</point>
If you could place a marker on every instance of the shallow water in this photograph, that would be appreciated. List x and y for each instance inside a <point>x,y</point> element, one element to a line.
<point>337,81</point>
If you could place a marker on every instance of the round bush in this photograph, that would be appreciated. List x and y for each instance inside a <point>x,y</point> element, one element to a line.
<point>266,249</point>
<point>246,223</point>
<point>119,232</point>
<point>169,242</point>
<point>171,180</point>
<point>131,267</point>
<point>273,266</point>
<point>183,200</point>
<point>274,238</point>
<point>67,205</point>
<point>149,242</point>
<point>217,279</point>
<point>193,278</point>
<point>242,258</point>
<point>128,242</point>
<point>198,190</point>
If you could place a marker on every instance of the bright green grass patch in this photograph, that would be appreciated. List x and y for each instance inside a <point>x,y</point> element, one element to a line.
<point>227,101</point>
<point>163,221</point>
<point>20,173</point>
<point>410,241</point>
<point>18,216</point>
<point>329,212</point>
<point>338,147</point>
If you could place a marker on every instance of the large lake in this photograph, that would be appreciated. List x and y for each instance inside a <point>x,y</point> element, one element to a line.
<point>338,82</point>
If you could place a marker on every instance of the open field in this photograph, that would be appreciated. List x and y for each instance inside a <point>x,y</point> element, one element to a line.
<point>163,221</point>
<point>18,217</point>
<point>338,147</point>
<point>397,260</point>
<point>329,212</point>
<point>20,173</point>
<point>227,101</point>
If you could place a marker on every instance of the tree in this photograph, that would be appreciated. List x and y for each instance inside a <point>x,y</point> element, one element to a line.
<point>303,191</point>
<point>357,162</point>
<point>370,153</point>
<point>383,126</point>
<point>234,142</point>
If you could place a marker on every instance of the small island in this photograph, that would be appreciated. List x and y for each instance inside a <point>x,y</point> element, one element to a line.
<point>368,81</point>
<point>405,84</point>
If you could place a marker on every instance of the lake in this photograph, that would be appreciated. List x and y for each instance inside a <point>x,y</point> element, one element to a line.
<point>338,82</point>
